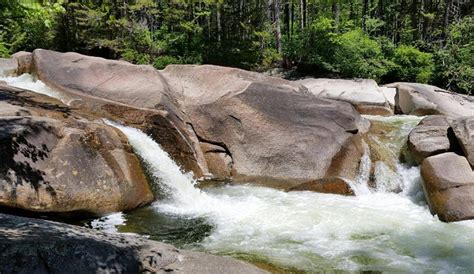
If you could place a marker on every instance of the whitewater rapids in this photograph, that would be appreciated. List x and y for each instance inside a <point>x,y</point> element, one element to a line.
<point>311,231</point>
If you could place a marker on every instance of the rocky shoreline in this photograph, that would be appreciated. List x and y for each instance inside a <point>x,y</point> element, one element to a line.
<point>59,156</point>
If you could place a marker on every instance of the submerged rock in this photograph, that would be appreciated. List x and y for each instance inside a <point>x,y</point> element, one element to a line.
<point>327,185</point>
<point>429,137</point>
<point>421,99</point>
<point>448,183</point>
<point>38,246</point>
<point>364,94</point>
<point>54,160</point>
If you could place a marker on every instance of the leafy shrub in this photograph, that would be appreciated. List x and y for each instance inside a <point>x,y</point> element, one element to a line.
<point>357,55</point>
<point>412,65</point>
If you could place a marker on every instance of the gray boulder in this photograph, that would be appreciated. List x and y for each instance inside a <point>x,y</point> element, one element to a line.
<point>265,129</point>
<point>38,246</point>
<point>421,99</point>
<point>463,129</point>
<point>448,183</point>
<point>429,137</point>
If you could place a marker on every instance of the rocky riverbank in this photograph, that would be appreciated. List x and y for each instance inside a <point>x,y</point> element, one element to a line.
<point>59,156</point>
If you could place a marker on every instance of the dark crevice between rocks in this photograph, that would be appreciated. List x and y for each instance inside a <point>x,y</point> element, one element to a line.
<point>454,144</point>
<point>216,143</point>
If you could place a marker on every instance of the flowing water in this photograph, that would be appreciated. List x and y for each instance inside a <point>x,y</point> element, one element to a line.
<point>376,230</point>
<point>28,81</point>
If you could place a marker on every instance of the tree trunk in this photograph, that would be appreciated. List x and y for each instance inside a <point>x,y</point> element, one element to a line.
<point>335,12</point>
<point>276,6</point>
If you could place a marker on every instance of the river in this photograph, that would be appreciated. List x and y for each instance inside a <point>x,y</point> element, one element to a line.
<point>376,230</point>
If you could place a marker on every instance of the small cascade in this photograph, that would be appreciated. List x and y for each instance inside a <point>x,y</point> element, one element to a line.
<point>28,81</point>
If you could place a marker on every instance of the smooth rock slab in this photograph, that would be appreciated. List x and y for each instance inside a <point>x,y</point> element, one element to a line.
<point>422,99</point>
<point>38,246</point>
<point>448,183</point>
<point>364,94</point>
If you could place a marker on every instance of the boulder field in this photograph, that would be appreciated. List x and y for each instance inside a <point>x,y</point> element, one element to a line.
<point>443,147</point>
<point>218,122</point>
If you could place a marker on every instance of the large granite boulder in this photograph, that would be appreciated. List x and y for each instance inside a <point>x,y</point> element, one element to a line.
<point>463,129</point>
<point>38,246</point>
<point>421,99</point>
<point>448,183</point>
<point>364,94</point>
<point>135,95</point>
<point>54,160</point>
<point>265,128</point>
<point>429,137</point>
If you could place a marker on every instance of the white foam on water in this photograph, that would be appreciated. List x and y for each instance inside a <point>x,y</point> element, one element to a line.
<point>27,81</point>
<point>312,231</point>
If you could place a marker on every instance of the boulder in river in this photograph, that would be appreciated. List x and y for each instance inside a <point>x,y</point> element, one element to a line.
<point>38,246</point>
<point>429,137</point>
<point>422,99</point>
<point>463,129</point>
<point>54,160</point>
<point>364,94</point>
<point>448,183</point>
<point>266,128</point>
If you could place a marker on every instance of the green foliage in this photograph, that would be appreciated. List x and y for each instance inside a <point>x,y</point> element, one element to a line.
<point>357,55</point>
<point>384,40</point>
<point>412,65</point>
<point>455,62</point>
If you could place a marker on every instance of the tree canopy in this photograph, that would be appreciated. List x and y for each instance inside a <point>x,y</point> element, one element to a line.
<point>428,41</point>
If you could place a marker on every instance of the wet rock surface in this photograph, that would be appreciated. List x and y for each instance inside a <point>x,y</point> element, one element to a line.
<point>430,137</point>
<point>448,182</point>
<point>38,246</point>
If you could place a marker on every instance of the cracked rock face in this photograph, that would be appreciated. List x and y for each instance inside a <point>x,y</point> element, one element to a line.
<point>52,160</point>
<point>264,128</point>
<point>38,246</point>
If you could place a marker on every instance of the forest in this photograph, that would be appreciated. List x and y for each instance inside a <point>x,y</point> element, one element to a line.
<point>426,41</point>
